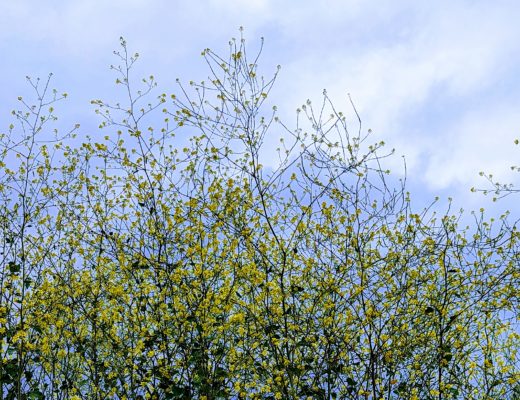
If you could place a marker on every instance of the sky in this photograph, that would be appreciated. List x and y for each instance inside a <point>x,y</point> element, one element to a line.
<point>438,80</point>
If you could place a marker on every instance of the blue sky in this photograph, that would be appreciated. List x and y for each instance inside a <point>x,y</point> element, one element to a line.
<point>437,80</point>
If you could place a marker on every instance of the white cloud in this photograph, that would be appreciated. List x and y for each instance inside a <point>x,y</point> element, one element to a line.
<point>482,140</point>
<point>448,53</point>
<point>420,73</point>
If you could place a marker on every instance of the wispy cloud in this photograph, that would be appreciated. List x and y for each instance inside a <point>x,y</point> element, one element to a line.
<point>437,80</point>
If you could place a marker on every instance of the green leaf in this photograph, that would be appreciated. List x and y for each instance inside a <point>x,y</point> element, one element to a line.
<point>13,267</point>
<point>35,394</point>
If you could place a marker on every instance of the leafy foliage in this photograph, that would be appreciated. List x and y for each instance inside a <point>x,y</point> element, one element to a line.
<point>164,261</point>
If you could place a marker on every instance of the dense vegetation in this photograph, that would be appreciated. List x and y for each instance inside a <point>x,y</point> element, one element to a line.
<point>163,261</point>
